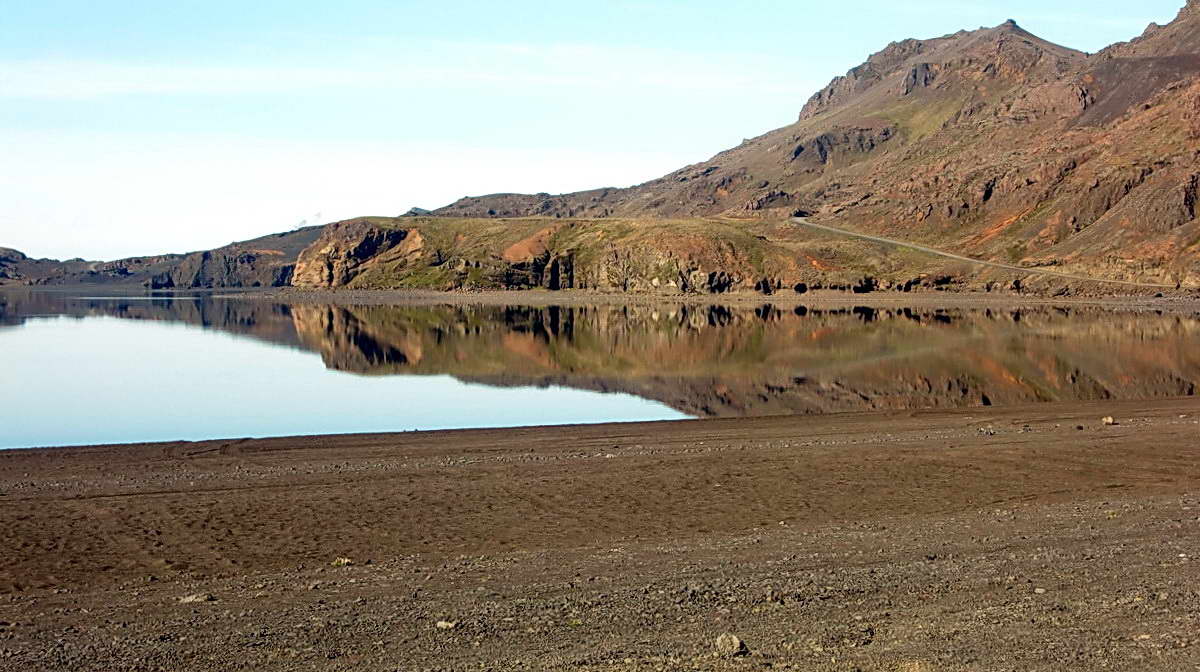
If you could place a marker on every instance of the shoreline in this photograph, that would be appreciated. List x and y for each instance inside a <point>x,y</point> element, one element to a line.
<point>783,299</point>
<point>571,298</point>
<point>480,434</point>
<point>538,298</point>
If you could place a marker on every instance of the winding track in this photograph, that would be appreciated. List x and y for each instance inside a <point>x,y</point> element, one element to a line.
<point>958,257</point>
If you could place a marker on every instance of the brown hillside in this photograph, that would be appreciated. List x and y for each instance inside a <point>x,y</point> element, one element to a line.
<point>992,142</point>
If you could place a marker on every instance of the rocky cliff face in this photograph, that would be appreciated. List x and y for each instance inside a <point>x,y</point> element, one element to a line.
<point>654,256</point>
<point>346,250</point>
<point>10,259</point>
<point>992,143</point>
<point>612,254</point>
<point>17,269</point>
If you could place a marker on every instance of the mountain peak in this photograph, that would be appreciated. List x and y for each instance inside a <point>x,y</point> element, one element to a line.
<point>1006,52</point>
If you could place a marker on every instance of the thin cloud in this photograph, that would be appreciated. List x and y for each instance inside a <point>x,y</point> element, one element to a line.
<point>55,79</point>
<point>437,65</point>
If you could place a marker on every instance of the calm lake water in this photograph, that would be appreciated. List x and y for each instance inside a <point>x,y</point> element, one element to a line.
<point>92,369</point>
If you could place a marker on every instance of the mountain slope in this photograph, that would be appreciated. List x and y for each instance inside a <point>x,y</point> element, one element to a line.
<point>992,143</point>
<point>907,96</point>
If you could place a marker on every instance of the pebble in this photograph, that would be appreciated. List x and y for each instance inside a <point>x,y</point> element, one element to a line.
<point>198,597</point>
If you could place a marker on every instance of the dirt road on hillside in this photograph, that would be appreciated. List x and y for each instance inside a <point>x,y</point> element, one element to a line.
<point>979,262</point>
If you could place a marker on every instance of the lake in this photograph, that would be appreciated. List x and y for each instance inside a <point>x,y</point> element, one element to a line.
<point>85,369</point>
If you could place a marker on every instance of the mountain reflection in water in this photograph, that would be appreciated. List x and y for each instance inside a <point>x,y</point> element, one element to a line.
<point>716,360</point>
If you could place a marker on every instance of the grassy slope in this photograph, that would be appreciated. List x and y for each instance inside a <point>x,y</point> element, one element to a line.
<point>485,253</point>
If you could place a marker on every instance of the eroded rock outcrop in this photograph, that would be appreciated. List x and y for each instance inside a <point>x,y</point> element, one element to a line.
<point>9,258</point>
<point>614,254</point>
<point>347,249</point>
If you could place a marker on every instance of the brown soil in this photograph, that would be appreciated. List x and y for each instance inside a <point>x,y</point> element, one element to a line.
<point>997,539</point>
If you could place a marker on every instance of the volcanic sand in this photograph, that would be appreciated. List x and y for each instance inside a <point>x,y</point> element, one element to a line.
<point>1015,538</point>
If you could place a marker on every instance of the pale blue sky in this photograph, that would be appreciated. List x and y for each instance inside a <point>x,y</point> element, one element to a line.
<point>146,126</point>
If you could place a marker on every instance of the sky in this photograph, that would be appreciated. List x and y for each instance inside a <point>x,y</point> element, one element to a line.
<point>139,126</point>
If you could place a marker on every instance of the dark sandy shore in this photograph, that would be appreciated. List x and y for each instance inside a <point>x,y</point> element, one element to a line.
<point>980,539</point>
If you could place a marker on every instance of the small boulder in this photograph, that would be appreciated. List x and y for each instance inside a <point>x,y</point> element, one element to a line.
<point>447,625</point>
<point>731,646</point>
<point>1109,421</point>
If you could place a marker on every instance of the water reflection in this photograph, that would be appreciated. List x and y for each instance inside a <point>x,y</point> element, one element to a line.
<point>716,360</point>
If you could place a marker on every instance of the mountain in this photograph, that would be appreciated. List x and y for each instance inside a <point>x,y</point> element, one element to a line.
<point>904,97</point>
<point>993,145</point>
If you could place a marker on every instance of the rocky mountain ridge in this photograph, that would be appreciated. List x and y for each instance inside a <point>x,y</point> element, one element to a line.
<point>990,142</point>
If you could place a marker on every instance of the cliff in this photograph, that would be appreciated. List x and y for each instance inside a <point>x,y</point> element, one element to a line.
<point>613,254</point>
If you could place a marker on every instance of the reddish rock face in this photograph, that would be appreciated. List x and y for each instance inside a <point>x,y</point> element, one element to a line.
<point>346,249</point>
<point>991,142</point>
